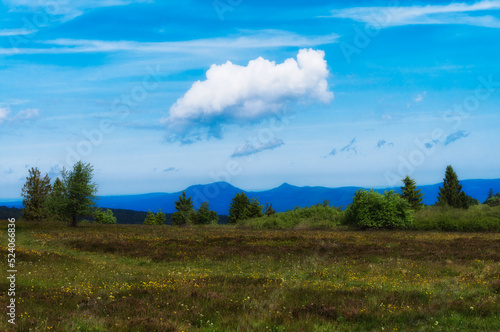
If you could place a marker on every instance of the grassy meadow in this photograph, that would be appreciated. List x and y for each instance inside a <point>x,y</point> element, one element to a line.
<point>230,278</point>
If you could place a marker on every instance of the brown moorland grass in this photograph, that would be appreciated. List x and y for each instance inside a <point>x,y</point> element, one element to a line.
<point>224,278</point>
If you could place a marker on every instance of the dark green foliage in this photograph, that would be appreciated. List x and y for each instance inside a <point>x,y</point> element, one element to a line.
<point>242,208</point>
<point>472,201</point>
<point>160,217</point>
<point>254,209</point>
<point>444,218</point>
<point>9,212</point>
<point>185,211</point>
<point>451,193</point>
<point>35,193</point>
<point>105,217</point>
<point>370,209</point>
<point>314,217</point>
<point>411,194</point>
<point>205,216</point>
<point>493,199</point>
<point>238,208</point>
<point>491,194</point>
<point>57,200</point>
<point>269,210</point>
<point>81,191</point>
<point>150,219</point>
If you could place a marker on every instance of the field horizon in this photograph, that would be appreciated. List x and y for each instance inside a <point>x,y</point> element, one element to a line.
<point>284,197</point>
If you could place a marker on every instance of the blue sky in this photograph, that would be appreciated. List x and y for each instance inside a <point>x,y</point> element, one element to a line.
<point>159,95</point>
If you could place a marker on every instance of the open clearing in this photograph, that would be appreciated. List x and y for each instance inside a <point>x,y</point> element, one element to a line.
<point>225,278</point>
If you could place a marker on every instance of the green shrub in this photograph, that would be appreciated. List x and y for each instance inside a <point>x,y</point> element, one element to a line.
<point>105,217</point>
<point>493,201</point>
<point>477,218</point>
<point>370,209</point>
<point>315,217</point>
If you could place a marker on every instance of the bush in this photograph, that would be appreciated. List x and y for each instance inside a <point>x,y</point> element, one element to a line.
<point>315,217</point>
<point>476,218</point>
<point>493,201</point>
<point>370,209</point>
<point>105,217</point>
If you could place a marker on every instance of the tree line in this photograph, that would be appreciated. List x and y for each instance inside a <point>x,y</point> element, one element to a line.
<point>74,194</point>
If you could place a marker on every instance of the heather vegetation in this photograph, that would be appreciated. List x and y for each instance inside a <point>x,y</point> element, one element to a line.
<point>101,277</point>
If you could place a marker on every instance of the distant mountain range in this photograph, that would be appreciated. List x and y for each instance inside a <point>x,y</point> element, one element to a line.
<point>283,198</point>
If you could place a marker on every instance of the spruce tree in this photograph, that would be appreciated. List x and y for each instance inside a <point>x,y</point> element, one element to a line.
<point>185,211</point>
<point>150,218</point>
<point>57,200</point>
<point>254,209</point>
<point>410,193</point>
<point>242,208</point>
<point>35,193</point>
<point>160,217</point>
<point>238,209</point>
<point>451,193</point>
<point>269,210</point>
<point>205,216</point>
<point>491,193</point>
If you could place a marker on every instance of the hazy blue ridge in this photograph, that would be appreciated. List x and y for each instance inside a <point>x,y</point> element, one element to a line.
<point>283,198</point>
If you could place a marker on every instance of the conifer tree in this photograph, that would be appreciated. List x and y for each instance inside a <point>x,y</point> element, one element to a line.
<point>35,193</point>
<point>243,208</point>
<point>410,193</point>
<point>185,213</point>
<point>57,200</point>
<point>269,210</point>
<point>81,191</point>
<point>150,218</point>
<point>451,193</point>
<point>205,216</point>
<point>160,217</point>
<point>238,209</point>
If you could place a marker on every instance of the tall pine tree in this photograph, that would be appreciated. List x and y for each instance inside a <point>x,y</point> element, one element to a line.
<point>451,193</point>
<point>35,193</point>
<point>413,195</point>
<point>185,210</point>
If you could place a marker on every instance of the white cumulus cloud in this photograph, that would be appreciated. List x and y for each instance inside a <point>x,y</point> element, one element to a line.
<point>241,94</point>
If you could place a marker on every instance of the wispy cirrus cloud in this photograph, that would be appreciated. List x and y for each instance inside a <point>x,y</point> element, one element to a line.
<point>454,13</point>
<point>249,148</point>
<point>349,149</point>
<point>15,32</point>
<point>67,10</point>
<point>381,143</point>
<point>455,136</point>
<point>251,40</point>
<point>23,115</point>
